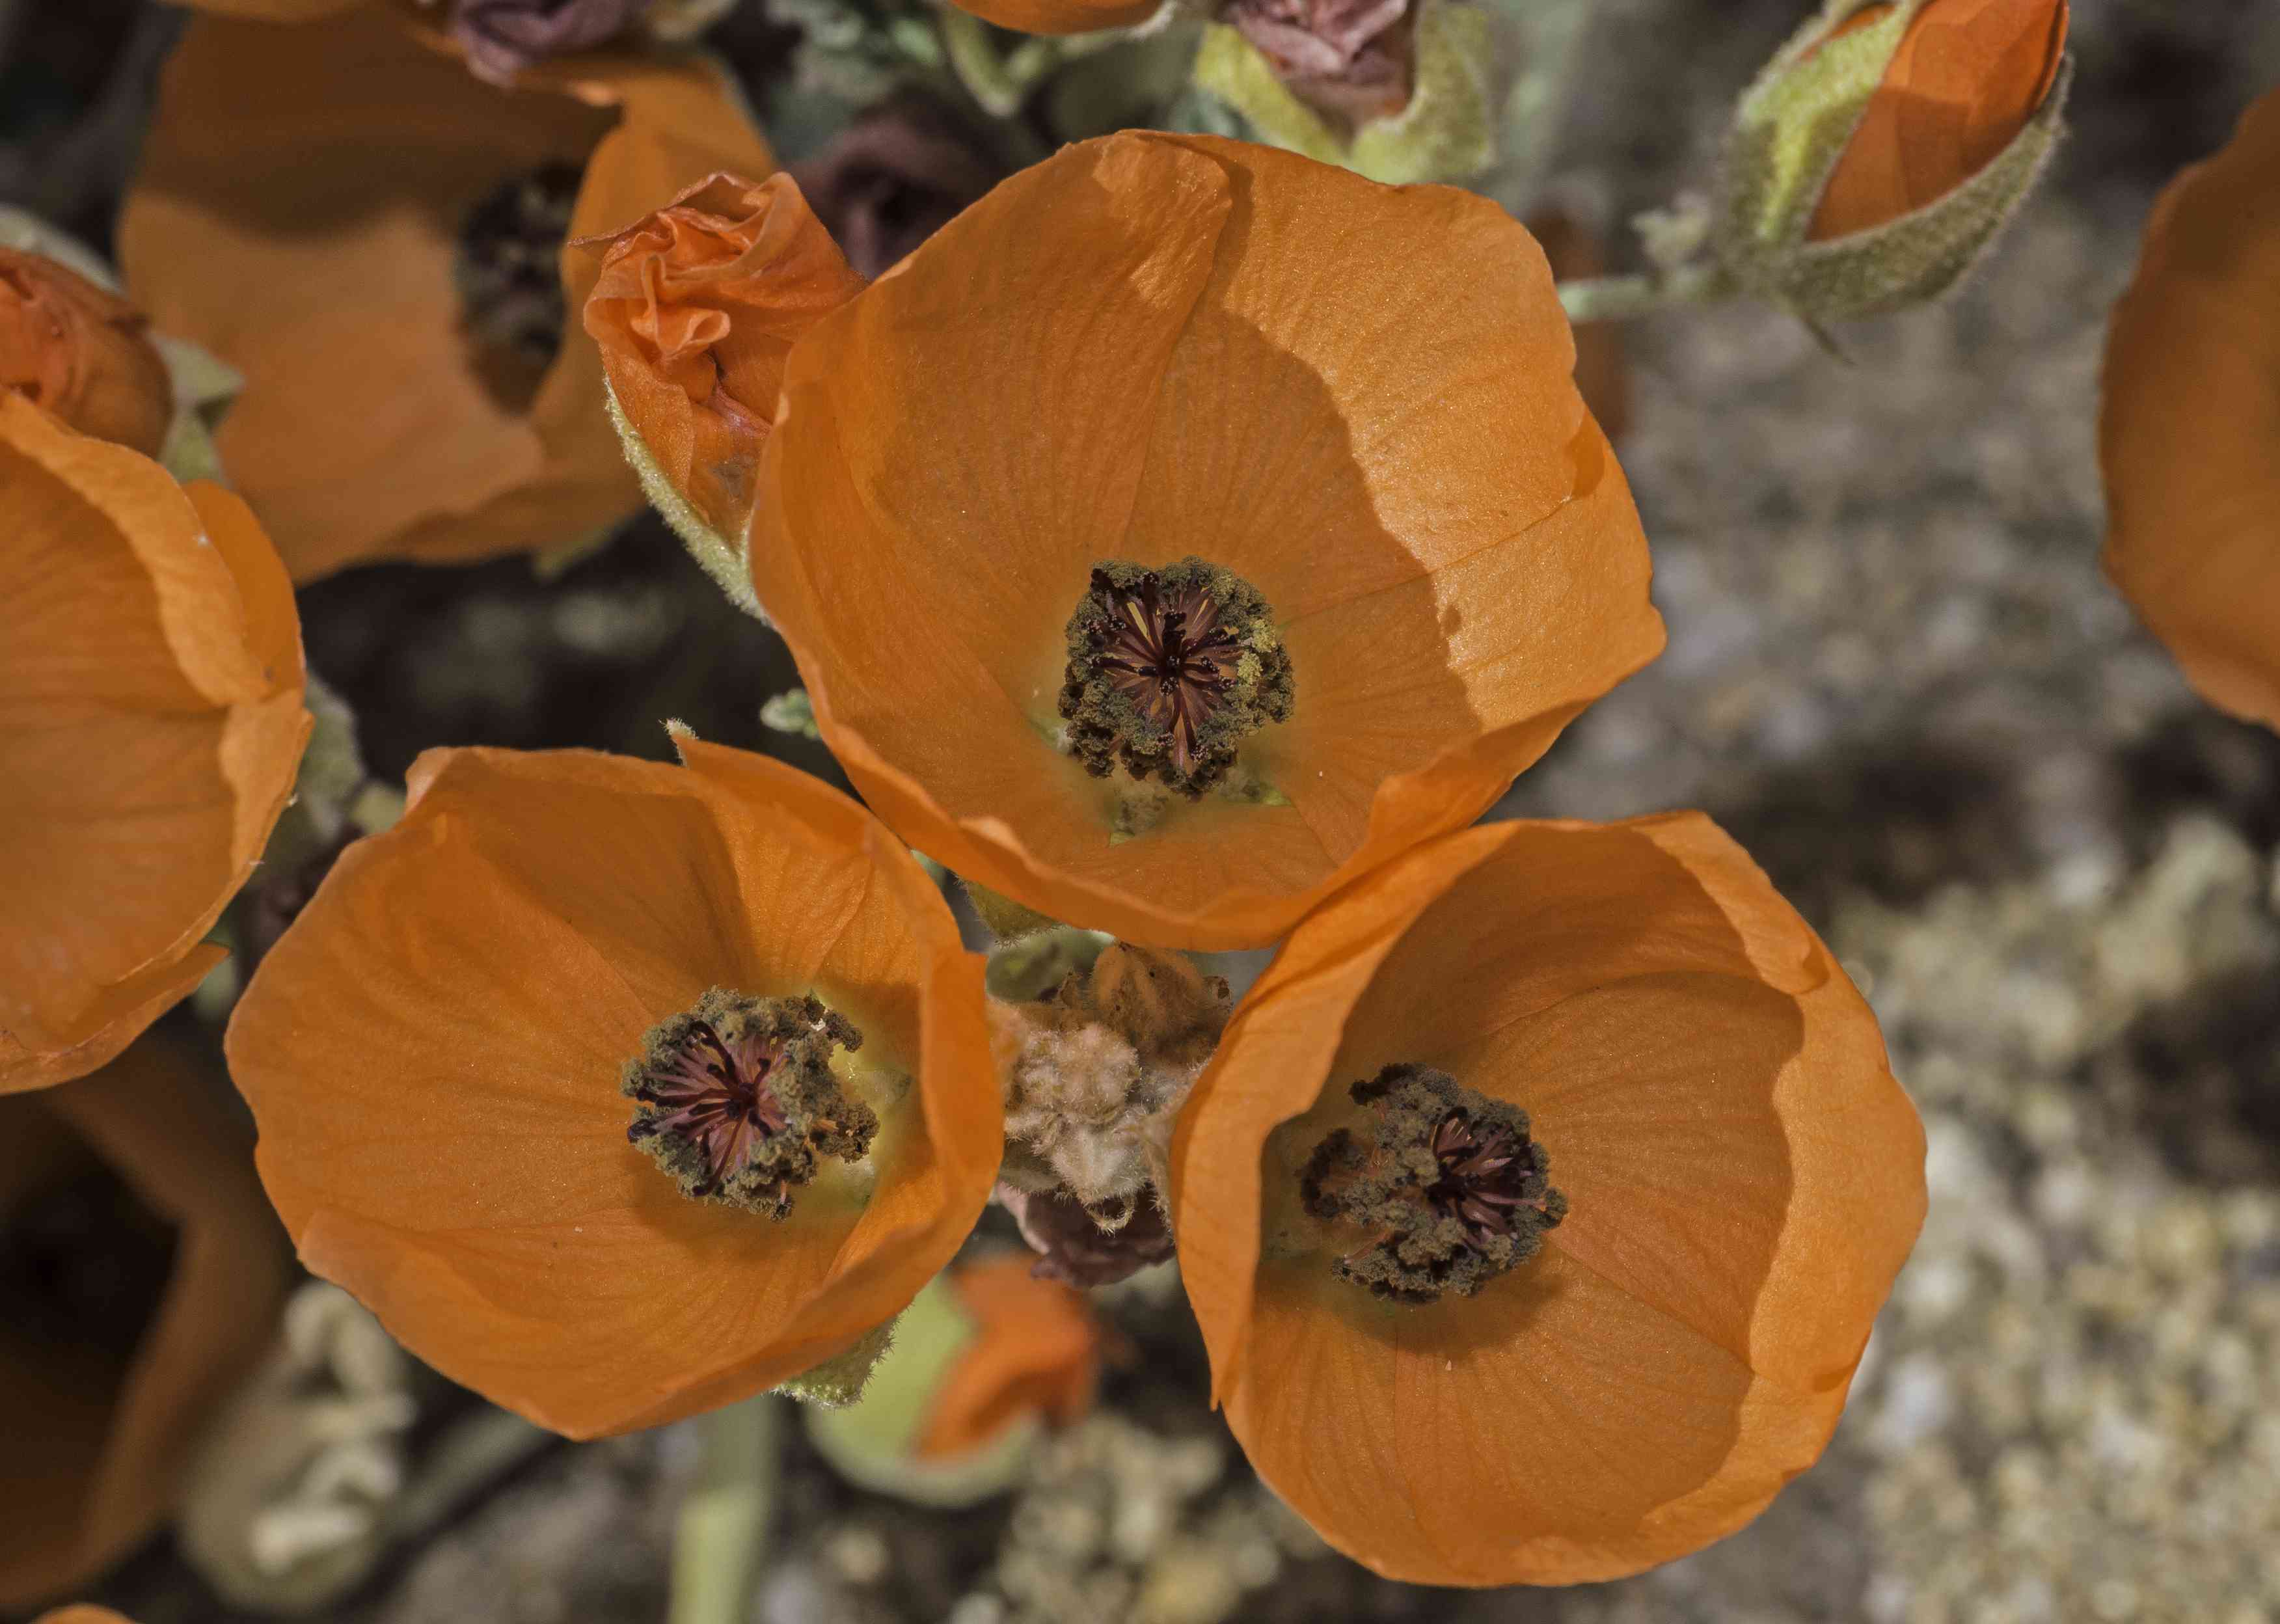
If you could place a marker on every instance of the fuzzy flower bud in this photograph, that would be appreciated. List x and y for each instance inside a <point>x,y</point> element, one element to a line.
<point>696,308</point>
<point>81,353</point>
<point>1885,146</point>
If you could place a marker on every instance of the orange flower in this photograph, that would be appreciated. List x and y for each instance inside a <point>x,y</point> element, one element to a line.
<point>1062,16</point>
<point>1036,1351</point>
<point>151,725</point>
<point>79,352</point>
<point>82,1613</point>
<point>2190,435</point>
<point>1663,1320</point>
<point>373,237</point>
<point>1967,78</point>
<point>156,1292</point>
<point>1198,457</point>
<point>695,309</point>
<point>440,1051</point>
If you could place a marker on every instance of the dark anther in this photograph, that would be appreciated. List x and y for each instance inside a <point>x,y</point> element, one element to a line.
<point>737,1101</point>
<point>1169,670</point>
<point>509,266</point>
<point>1445,1187</point>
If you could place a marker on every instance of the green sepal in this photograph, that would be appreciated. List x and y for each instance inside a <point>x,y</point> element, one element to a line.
<point>1916,258</point>
<point>1791,126</point>
<point>843,1379</point>
<point>718,556</point>
<point>1008,921</point>
<point>1790,130</point>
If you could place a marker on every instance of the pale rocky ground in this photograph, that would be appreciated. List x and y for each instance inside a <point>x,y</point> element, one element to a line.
<point>1897,675</point>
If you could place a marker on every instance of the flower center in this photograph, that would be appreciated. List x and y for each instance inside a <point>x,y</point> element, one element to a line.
<point>736,1098</point>
<point>509,266</point>
<point>1445,1181</point>
<point>1169,670</point>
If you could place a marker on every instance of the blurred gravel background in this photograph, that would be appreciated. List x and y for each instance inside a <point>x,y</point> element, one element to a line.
<point>1895,672</point>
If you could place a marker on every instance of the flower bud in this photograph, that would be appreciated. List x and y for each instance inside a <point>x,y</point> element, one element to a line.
<point>696,308</point>
<point>1885,147</point>
<point>1395,91</point>
<point>81,353</point>
<point>987,1359</point>
<point>502,37</point>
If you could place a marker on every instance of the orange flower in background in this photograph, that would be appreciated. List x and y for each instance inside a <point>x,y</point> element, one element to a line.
<point>1190,528</point>
<point>1967,78</point>
<point>80,353</point>
<point>1062,16</point>
<point>374,238</point>
<point>82,1615</point>
<point>1602,374</point>
<point>141,1278</point>
<point>1035,1352</point>
<point>695,308</point>
<point>2189,436</point>
<point>151,725</point>
<point>440,1054</point>
<point>1556,1172</point>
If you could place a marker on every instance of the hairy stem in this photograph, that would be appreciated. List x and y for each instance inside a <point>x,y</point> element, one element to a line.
<point>1619,298</point>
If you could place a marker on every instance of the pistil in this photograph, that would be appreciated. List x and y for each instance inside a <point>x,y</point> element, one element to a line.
<point>1169,671</point>
<point>737,1101</point>
<point>1446,1187</point>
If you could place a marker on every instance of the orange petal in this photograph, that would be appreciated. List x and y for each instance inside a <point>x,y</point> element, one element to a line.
<point>2189,438</point>
<point>329,168</point>
<point>151,729</point>
<point>99,1435</point>
<point>1967,78</point>
<point>1745,1177</point>
<point>1062,16</point>
<point>1036,1351</point>
<point>1357,397</point>
<point>80,353</point>
<point>82,1613</point>
<point>695,310</point>
<point>433,1053</point>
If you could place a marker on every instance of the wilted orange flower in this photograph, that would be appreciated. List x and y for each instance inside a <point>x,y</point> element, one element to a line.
<point>2190,435</point>
<point>146,1280</point>
<point>542,1079</point>
<point>1189,527</point>
<point>1036,1351</point>
<point>1555,1172</point>
<point>1967,78</point>
<point>151,725</point>
<point>374,237</point>
<point>80,353</point>
<point>1062,16</point>
<point>695,309</point>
